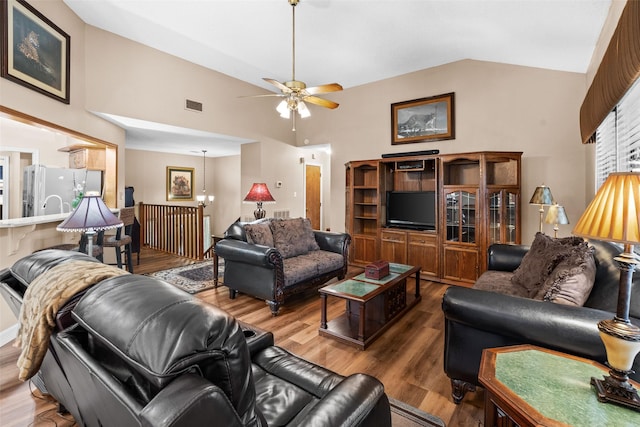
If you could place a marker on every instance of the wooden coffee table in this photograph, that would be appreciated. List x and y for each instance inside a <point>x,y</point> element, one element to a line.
<point>371,305</point>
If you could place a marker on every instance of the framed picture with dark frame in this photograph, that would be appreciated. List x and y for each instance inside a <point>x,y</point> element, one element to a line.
<point>179,183</point>
<point>423,120</point>
<point>35,51</point>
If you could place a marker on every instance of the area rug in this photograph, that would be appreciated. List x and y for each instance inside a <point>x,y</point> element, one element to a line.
<point>403,415</point>
<point>192,278</point>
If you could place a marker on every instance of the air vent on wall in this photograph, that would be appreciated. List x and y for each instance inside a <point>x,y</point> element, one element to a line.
<point>193,105</point>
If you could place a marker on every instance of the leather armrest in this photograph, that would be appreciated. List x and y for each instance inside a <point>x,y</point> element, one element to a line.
<point>565,328</point>
<point>189,400</point>
<point>236,250</point>
<point>332,242</point>
<point>347,404</point>
<point>505,257</point>
<point>257,339</point>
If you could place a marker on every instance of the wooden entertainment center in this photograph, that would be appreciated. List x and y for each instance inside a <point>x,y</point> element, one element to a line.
<point>477,204</point>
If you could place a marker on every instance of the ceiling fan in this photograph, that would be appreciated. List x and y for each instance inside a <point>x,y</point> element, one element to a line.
<point>295,92</point>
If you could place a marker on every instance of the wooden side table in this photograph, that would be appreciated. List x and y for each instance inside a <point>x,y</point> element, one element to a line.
<point>216,239</point>
<point>527,386</point>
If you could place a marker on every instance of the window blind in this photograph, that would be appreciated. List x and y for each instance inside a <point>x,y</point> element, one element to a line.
<point>618,138</point>
<point>619,69</point>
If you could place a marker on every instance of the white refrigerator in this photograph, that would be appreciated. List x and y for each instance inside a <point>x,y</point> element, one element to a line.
<point>48,190</point>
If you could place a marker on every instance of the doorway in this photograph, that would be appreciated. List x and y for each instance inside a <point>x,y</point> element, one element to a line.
<point>313,195</point>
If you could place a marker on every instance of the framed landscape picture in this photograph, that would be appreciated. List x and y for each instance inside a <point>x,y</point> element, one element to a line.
<point>35,52</point>
<point>424,119</point>
<point>179,183</point>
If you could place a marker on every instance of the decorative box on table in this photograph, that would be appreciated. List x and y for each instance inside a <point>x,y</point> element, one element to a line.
<point>377,270</point>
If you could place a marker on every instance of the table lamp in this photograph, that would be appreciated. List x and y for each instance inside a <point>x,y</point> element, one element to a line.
<point>90,216</point>
<point>556,215</point>
<point>260,194</point>
<point>614,215</point>
<point>541,196</point>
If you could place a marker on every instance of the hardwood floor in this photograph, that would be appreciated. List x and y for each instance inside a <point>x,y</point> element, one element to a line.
<point>407,358</point>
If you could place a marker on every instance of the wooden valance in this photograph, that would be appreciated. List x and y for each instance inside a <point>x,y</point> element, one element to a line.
<point>619,69</point>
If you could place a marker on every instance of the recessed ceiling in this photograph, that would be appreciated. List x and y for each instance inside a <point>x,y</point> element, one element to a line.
<point>354,42</point>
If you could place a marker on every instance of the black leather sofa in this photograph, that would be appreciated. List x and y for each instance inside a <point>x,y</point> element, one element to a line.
<point>141,352</point>
<point>263,272</point>
<point>477,319</point>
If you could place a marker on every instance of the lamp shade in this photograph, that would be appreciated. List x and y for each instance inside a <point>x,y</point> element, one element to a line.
<point>542,196</point>
<point>614,213</point>
<point>91,214</point>
<point>259,193</point>
<point>556,215</point>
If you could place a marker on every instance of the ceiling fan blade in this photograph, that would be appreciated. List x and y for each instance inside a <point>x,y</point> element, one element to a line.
<point>277,84</point>
<point>321,102</point>
<point>331,87</point>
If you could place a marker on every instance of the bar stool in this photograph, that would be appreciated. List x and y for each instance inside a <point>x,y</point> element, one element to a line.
<point>122,242</point>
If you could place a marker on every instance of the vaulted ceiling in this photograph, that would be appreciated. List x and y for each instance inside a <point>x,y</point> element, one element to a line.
<point>355,42</point>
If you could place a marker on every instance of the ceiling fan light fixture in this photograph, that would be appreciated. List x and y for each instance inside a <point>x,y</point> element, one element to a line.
<point>303,110</point>
<point>283,109</point>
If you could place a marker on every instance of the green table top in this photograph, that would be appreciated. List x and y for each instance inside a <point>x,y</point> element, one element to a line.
<point>559,388</point>
<point>354,287</point>
<point>360,285</point>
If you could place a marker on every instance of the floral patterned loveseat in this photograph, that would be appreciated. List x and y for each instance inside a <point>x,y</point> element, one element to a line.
<point>274,258</point>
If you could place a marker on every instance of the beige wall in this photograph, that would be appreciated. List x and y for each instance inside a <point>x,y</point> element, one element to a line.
<point>497,107</point>
<point>132,80</point>
<point>270,161</point>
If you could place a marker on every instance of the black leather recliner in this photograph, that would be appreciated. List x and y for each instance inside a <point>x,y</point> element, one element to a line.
<point>146,353</point>
<point>14,281</point>
<point>477,319</point>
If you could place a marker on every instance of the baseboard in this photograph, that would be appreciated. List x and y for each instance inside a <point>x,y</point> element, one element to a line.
<point>8,334</point>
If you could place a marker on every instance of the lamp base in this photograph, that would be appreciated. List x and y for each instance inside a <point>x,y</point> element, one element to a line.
<point>616,390</point>
<point>621,339</point>
<point>259,213</point>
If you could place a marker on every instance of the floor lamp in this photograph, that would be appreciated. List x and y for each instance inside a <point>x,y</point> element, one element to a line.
<point>90,216</point>
<point>614,215</point>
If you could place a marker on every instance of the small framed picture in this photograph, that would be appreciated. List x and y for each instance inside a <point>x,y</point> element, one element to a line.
<point>35,52</point>
<point>179,183</point>
<point>423,120</point>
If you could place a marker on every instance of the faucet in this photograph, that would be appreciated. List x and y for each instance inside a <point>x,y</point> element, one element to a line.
<point>44,205</point>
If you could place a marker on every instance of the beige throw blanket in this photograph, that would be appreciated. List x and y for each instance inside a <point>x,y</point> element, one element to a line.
<point>42,300</point>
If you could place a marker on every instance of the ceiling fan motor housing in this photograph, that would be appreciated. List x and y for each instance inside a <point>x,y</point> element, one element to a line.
<point>295,85</point>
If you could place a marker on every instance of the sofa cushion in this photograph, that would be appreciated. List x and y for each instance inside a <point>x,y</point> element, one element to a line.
<point>293,236</point>
<point>541,259</point>
<point>325,261</point>
<point>259,234</point>
<point>309,265</point>
<point>298,269</point>
<point>499,281</point>
<point>570,283</point>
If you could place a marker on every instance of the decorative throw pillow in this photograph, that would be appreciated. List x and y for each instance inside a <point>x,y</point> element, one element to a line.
<point>293,236</point>
<point>259,234</point>
<point>571,281</point>
<point>541,259</point>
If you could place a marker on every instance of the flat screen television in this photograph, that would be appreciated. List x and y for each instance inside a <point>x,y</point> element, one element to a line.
<point>411,209</point>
